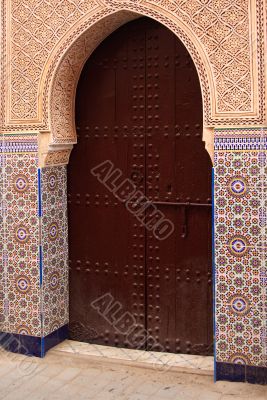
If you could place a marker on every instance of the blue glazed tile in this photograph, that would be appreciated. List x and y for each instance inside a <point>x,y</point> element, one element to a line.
<point>21,344</point>
<point>230,372</point>
<point>30,345</point>
<point>241,373</point>
<point>55,338</point>
<point>256,375</point>
<point>10,342</point>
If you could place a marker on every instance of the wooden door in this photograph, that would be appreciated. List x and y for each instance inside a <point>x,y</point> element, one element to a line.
<point>139,118</point>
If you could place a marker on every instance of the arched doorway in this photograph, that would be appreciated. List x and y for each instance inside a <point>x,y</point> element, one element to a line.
<point>134,283</point>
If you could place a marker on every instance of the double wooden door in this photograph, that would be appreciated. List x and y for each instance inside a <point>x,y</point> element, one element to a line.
<point>139,117</point>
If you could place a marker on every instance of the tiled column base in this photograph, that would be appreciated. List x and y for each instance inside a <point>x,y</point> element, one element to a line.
<point>241,373</point>
<point>30,345</point>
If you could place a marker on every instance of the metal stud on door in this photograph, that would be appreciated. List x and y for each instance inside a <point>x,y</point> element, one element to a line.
<point>107,250</point>
<point>139,106</point>
<point>179,292</point>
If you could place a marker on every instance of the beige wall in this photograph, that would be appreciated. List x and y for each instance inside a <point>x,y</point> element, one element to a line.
<point>45,44</point>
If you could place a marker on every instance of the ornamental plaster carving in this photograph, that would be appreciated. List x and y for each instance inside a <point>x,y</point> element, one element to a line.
<point>224,37</point>
<point>34,27</point>
<point>51,156</point>
<point>67,74</point>
<point>56,158</point>
<point>62,100</point>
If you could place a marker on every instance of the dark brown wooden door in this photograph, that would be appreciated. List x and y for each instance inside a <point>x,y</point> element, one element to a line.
<point>139,109</point>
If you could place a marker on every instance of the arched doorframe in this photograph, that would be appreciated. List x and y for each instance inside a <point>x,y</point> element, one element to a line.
<point>63,72</point>
<point>67,60</point>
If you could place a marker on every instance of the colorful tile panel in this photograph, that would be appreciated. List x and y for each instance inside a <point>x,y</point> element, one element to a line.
<point>34,245</point>
<point>20,302</point>
<point>240,246</point>
<point>2,261</point>
<point>54,248</point>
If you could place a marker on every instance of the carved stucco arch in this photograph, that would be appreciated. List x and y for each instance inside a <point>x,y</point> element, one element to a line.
<point>66,63</point>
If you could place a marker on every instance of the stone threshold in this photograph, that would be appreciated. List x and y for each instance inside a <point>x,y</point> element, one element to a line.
<point>90,353</point>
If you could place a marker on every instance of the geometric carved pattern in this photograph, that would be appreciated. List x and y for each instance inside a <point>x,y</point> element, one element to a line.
<point>228,35</point>
<point>223,29</point>
<point>60,157</point>
<point>230,57</point>
<point>66,79</point>
<point>36,26</point>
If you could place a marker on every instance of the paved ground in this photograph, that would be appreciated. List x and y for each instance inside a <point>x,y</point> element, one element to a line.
<point>66,377</point>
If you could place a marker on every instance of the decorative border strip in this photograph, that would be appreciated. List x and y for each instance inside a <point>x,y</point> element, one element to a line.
<point>241,132</point>
<point>240,139</point>
<point>22,143</point>
<point>259,143</point>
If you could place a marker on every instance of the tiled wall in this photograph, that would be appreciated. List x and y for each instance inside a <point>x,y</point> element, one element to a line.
<point>33,264</point>
<point>54,248</point>
<point>20,234</point>
<point>2,275</point>
<point>34,250</point>
<point>240,248</point>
